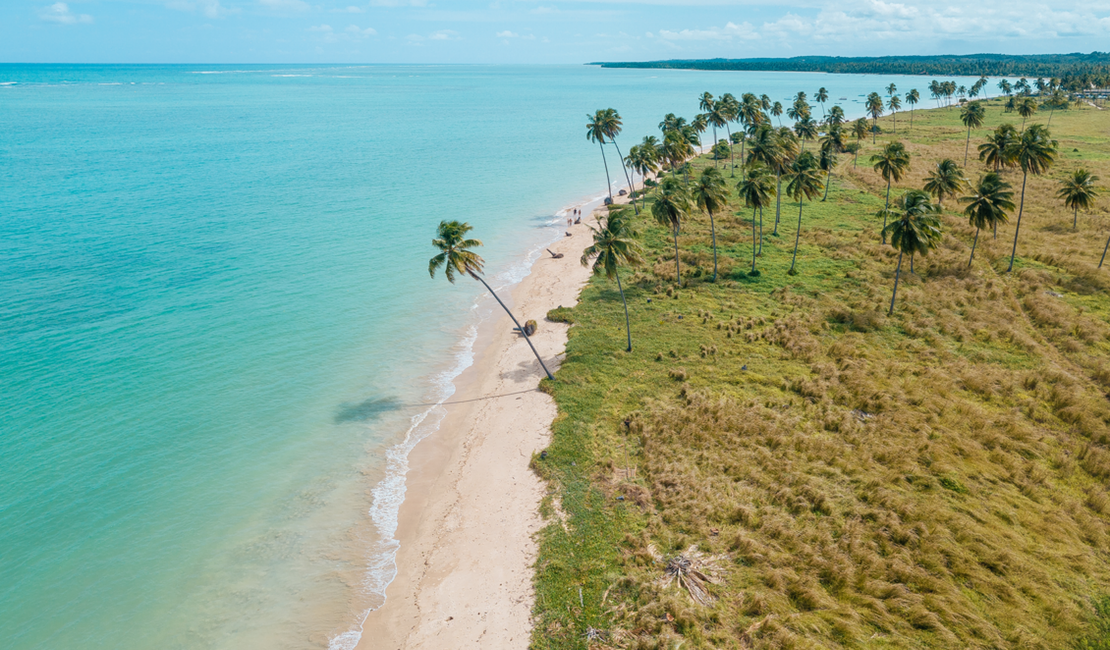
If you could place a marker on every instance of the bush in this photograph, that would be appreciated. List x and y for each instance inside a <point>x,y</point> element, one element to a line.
<point>561,314</point>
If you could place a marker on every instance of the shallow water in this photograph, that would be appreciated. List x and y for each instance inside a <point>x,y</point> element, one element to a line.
<point>216,320</point>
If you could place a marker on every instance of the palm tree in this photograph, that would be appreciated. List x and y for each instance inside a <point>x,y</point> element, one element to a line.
<point>831,145</point>
<point>836,116</point>
<point>996,150</point>
<point>892,162</point>
<point>615,245</point>
<point>718,117</point>
<point>788,145</point>
<point>612,125</point>
<point>987,206</point>
<point>455,256</point>
<point>670,208</point>
<point>731,112</point>
<point>700,124</point>
<point>596,131</point>
<point>894,104</point>
<point>945,179</point>
<point>803,182</point>
<point>1034,153</point>
<point>822,97</point>
<point>643,158</point>
<point>705,102</point>
<point>776,110</point>
<point>875,110</point>
<point>916,230</point>
<point>756,189</point>
<point>891,89</point>
<point>912,97</point>
<point>710,194</point>
<point>972,115</point>
<point>1026,109</point>
<point>859,130</point>
<point>805,129</point>
<point>767,150</point>
<point>1078,192</point>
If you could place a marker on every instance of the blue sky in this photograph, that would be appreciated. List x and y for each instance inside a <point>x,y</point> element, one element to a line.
<point>538,31</point>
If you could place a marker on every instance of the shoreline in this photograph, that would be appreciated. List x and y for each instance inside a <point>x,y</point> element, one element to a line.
<point>471,505</point>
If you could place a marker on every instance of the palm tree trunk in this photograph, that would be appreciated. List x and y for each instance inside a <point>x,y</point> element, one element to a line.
<point>761,230</point>
<point>1050,112</point>
<point>627,321</point>
<point>967,144</point>
<point>1075,220</point>
<point>855,155</point>
<point>714,145</point>
<point>911,263</point>
<point>731,153</point>
<point>974,243</point>
<point>677,268</point>
<point>753,239</point>
<point>626,177</point>
<point>883,232</point>
<point>519,328</point>
<point>797,236</point>
<point>713,233</point>
<point>894,115</point>
<point>743,141</point>
<point>897,273</point>
<point>609,182</point>
<point>874,123</point>
<point>1017,228</point>
<point>778,202</point>
<point>1104,252</point>
<point>911,121</point>
<point>828,182</point>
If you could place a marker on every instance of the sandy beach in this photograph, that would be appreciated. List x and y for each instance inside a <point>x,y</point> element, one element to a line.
<point>471,508</point>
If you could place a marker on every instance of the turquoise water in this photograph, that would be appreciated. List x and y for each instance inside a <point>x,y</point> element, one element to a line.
<point>216,321</point>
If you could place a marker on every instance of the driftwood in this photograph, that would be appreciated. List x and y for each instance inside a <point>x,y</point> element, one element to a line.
<point>555,255</point>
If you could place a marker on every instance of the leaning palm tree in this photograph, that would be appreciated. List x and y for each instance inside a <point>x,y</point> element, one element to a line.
<point>643,159</point>
<point>987,206</point>
<point>916,230</point>
<point>671,207</point>
<point>912,97</point>
<point>945,179</point>
<point>1026,109</point>
<point>803,182</point>
<point>615,245</point>
<point>597,131</point>
<point>875,110</point>
<point>894,104</point>
<point>756,189</point>
<point>1034,153</point>
<point>700,123</point>
<point>455,256</point>
<point>776,110</point>
<point>711,195</point>
<point>613,125</point>
<point>831,145</point>
<point>972,115</point>
<point>892,162</point>
<point>1078,191</point>
<point>822,97</point>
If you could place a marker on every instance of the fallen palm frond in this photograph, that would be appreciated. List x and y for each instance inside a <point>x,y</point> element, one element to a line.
<point>691,570</point>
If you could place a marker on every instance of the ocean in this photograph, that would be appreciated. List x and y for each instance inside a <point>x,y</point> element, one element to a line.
<point>218,337</point>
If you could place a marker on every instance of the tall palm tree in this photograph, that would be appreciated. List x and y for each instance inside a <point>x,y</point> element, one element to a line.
<point>788,145</point>
<point>596,131</point>
<point>615,245</point>
<point>756,189</point>
<point>892,163</point>
<point>891,89</point>
<point>705,102</point>
<point>711,195</point>
<point>731,112</point>
<point>718,117</point>
<point>803,182</point>
<point>644,159</point>
<point>700,124</point>
<point>945,179</point>
<point>613,126</point>
<point>836,116</point>
<point>805,129</point>
<point>1026,109</point>
<point>894,104</point>
<point>875,110</point>
<point>1034,153</point>
<point>822,97</point>
<point>987,206</point>
<point>1078,191</point>
<point>912,97</point>
<point>776,110</point>
<point>859,131</point>
<point>671,207</point>
<point>767,150</point>
<point>996,151</point>
<point>751,116</point>
<point>455,256</point>
<point>915,231</point>
<point>831,145</point>
<point>972,115</point>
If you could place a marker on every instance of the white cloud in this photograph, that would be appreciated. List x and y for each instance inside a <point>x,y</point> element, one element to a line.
<point>210,8</point>
<point>285,5</point>
<point>59,13</point>
<point>743,31</point>
<point>348,10</point>
<point>507,34</point>
<point>320,28</point>
<point>357,32</point>
<point>444,35</point>
<point>398,3</point>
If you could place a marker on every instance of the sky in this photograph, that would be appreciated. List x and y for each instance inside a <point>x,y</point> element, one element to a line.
<point>534,31</point>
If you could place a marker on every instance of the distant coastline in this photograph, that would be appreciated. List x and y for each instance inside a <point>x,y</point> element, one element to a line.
<point>1074,65</point>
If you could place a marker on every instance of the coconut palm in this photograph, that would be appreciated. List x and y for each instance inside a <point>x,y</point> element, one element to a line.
<point>455,256</point>
<point>912,97</point>
<point>972,115</point>
<point>615,245</point>
<point>803,182</point>
<point>1026,109</point>
<point>731,109</point>
<point>788,145</point>
<point>756,189</point>
<point>822,97</point>
<point>671,207</point>
<point>987,206</point>
<point>892,163</point>
<point>859,131</point>
<point>718,117</point>
<point>767,149</point>
<point>776,110</point>
<point>836,116</point>
<point>705,102</point>
<point>613,126</point>
<point>875,110</point>
<point>711,195</point>
<point>597,131</point>
<point>916,230</point>
<point>805,129</point>
<point>644,159</point>
<point>700,124</point>
<point>996,151</point>
<point>891,89</point>
<point>751,116</point>
<point>945,179</point>
<point>894,104</point>
<point>1034,153</point>
<point>831,145</point>
<point>1078,191</point>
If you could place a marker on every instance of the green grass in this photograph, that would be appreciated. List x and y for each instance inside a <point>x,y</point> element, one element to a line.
<point>934,479</point>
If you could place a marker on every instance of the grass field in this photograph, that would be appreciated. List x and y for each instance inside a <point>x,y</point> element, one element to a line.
<point>934,479</point>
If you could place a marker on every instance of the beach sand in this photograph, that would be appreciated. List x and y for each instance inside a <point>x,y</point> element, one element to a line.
<point>471,507</point>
